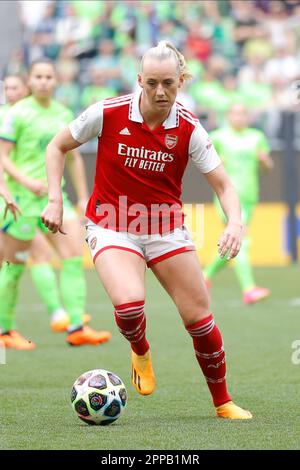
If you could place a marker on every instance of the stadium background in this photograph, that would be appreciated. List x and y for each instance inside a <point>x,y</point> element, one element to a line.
<point>237,50</point>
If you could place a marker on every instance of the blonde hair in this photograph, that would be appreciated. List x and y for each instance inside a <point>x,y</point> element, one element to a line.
<point>165,50</point>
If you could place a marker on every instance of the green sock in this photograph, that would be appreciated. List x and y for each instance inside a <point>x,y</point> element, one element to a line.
<point>243,267</point>
<point>217,264</point>
<point>10,275</point>
<point>45,281</point>
<point>73,289</point>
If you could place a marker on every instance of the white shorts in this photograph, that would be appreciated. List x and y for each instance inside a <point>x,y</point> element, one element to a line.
<point>152,248</point>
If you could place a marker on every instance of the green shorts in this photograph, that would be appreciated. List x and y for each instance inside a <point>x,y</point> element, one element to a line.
<point>26,225</point>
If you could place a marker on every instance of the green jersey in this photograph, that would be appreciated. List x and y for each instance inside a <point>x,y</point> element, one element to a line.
<point>30,127</point>
<point>239,151</point>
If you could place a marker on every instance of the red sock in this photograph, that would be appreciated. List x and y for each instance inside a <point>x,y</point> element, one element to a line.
<point>208,345</point>
<point>131,321</point>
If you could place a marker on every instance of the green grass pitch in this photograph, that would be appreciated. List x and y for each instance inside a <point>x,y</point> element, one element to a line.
<point>35,411</point>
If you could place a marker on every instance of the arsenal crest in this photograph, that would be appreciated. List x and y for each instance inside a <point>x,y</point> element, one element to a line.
<point>171,141</point>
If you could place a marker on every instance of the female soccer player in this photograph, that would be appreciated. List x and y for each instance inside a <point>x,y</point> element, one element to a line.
<point>25,133</point>
<point>145,141</point>
<point>42,272</point>
<point>244,152</point>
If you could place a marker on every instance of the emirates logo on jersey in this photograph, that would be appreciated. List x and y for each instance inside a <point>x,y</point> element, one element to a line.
<point>171,141</point>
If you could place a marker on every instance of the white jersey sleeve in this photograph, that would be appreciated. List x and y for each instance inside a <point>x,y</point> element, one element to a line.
<point>89,124</point>
<point>202,151</point>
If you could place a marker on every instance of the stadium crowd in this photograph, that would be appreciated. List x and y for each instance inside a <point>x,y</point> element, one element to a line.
<point>246,51</point>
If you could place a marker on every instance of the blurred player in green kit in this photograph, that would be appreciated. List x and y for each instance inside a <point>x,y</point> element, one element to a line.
<point>43,275</point>
<point>244,150</point>
<point>27,128</point>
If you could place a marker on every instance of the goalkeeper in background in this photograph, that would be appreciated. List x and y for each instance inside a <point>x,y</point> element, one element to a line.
<point>244,151</point>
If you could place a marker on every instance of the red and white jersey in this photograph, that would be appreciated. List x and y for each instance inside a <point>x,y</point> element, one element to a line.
<point>138,169</point>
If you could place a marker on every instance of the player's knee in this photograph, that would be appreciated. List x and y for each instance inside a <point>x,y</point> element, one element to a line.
<point>193,317</point>
<point>124,298</point>
<point>194,311</point>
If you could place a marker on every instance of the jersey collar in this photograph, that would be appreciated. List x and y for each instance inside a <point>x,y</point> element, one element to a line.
<point>135,113</point>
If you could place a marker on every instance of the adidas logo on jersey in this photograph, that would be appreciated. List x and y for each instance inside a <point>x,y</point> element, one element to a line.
<point>125,131</point>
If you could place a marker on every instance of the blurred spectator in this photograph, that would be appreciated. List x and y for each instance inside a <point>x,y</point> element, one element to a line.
<point>208,92</point>
<point>247,24</point>
<point>283,67</point>
<point>293,28</point>
<point>256,53</point>
<point>75,29</point>
<point>31,12</point>
<point>68,90</point>
<point>257,97</point>
<point>43,40</point>
<point>98,89</point>
<point>123,21</point>
<point>108,63</point>
<point>194,65</point>
<point>170,29</point>
<point>199,40</point>
<point>276,22</point>
<point>16,64</point>
<point>146,30</point>
<point>129,64</point>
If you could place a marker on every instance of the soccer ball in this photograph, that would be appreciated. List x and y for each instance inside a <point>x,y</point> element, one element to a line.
<point>98,397</point>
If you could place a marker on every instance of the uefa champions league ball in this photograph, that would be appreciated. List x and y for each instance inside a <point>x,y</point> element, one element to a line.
<point>98,397</point>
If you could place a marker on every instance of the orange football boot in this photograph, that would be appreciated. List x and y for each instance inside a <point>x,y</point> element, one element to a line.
<point>15,340</point>
<point>231,411</point>
<point>142,373</point>
<point>87,335</point>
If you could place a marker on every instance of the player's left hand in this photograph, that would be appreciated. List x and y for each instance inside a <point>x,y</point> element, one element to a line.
<point>11,204</point>
<point>230,241</point>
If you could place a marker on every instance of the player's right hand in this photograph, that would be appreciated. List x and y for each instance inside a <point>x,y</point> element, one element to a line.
<point>52,217</point>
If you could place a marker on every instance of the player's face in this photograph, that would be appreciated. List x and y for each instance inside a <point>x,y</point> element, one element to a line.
<point>160,82</point>
<point>15,89</point>
<point>42,80</point>
<point>238,116</point>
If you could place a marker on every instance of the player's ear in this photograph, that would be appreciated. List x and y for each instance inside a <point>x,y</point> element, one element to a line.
<point>181,81</point>
<point>139,77</point>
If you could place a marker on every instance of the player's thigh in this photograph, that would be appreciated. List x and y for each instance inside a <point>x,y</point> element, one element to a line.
<point>71,244</point>
<point>17,238</point>
<point>40,251</point>
<point>182,277</point>
<point>122,274</point>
